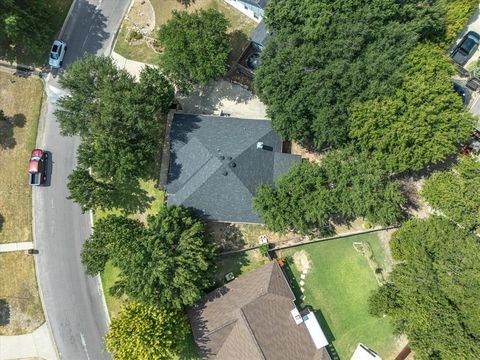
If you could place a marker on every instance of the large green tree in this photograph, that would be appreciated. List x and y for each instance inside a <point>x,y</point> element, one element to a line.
<point>169,262</point>
<point>115,116</point>
<point>433,294</point>
<point>195,47</point>
<point>26,29</point>
<point>456,193</point>
<point>145,332</point>
<point>344,186</point>
<point>88,192</point>
<point>326,54</point>
<point>422,123</point>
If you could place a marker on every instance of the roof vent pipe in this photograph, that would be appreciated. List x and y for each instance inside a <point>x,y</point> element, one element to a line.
<point>259,145</point>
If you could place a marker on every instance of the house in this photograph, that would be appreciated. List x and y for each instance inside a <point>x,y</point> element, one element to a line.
<point>217,162</point>
<point>254,317</point>
<point>254,9</point>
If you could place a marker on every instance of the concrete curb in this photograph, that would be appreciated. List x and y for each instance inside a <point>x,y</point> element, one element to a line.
<point>60,34</point>
<point>99,280</point>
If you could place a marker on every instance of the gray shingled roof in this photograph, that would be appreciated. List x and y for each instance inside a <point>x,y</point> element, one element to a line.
<point>215,166</point>
<point>260,34</point>
<point>260,3</point>
<point>249,318</point>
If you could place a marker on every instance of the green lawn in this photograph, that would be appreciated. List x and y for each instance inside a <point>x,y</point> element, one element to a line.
<point>239,264</point>
<point>337,287</point>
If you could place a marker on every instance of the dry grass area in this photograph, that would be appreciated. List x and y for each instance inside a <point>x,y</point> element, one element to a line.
<point>21,310</point>
<point>20,99</point>
<point>140,18</point>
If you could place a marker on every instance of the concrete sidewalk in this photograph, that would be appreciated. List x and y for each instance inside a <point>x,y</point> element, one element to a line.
<point>133,67</point>
<point>37,344</point>
<point>18,246</point>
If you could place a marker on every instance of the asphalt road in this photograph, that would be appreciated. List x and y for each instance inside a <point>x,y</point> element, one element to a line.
<point>72,299</point>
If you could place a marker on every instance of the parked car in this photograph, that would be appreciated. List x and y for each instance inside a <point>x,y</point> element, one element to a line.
<point>37,167</point>
<point>460,89</point>
<point>57,54</point>
<point>465,49</point>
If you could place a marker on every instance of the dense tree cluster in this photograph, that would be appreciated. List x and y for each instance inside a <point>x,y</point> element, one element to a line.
<point>344,186</point>
<point>433,294</point>
<point>25,28</point>
<point>420,124</point>
<point>117,119</point>
<point>195,47</point>
<point>326,54</point>
<point>456,193</point>
<point>167,263</point>
<point>145,332</point>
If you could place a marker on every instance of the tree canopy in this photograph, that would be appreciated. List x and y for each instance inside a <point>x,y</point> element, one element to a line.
<point>26,29</point>
<point>195,47</point>
<point>344,186</point>
<point>145,332</point>
<point>168,263</point>
<point>316,66</point>
<point>434,292</point>
<point>456,193</point>
<point>422,123</point>
<point>118,121</point>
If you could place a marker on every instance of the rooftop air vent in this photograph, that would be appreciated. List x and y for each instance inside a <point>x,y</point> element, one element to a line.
<point>232,164</point>
<point>229,158</point>
<point>221,157</point>
<point>259,145</point>
<point>225,173</point>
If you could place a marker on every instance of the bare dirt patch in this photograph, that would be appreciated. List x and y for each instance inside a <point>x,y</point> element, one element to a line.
<point>384,237</point>
<point>301,261</point>
<point>412,188</point>
<point>305,153</point>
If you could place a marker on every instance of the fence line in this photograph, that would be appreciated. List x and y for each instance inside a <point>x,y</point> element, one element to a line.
<point>306,242</point>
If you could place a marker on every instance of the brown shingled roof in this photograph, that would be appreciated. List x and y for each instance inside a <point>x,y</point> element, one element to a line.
<point>249,319</point>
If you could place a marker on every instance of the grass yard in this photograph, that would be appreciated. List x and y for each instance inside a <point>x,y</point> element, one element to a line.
<point>20,99</point>
<point>337,286</point>
<point>240,28</point>
<point>239,263</point>
<point>20,307</point>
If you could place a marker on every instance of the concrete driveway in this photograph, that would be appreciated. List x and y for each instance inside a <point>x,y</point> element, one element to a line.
<point>223,96</point>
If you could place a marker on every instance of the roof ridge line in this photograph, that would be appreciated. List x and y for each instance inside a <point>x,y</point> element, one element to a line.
<point>242,314</point>
<point>221,327</point>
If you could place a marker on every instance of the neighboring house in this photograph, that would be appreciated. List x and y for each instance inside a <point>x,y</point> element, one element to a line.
<point>254,9</point>
<point>254,317</point>
<point>216,164</point>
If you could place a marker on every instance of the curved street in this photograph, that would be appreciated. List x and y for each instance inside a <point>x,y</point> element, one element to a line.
<point>72,300</point>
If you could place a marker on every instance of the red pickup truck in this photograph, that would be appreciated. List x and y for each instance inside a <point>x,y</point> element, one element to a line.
<point>37,167</point>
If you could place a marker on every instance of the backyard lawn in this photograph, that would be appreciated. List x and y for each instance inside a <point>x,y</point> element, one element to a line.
<point>20,307</point>
<point>337,286</point>
<point>239,263</point>
<point>240,27</point>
